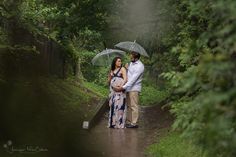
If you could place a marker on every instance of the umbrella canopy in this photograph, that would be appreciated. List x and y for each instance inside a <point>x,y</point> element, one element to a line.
<point>105,57</point>
<point>131,47</point>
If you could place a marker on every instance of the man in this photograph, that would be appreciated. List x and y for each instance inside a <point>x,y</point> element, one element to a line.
<point>133,88</point>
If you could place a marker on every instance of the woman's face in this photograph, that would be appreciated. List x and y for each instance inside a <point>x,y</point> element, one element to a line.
<point>118,62</point>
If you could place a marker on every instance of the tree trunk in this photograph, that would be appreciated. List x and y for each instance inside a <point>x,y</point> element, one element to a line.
<point>78,73</point>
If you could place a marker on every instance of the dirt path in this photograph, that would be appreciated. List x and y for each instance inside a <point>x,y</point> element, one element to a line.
<point>105,142</point>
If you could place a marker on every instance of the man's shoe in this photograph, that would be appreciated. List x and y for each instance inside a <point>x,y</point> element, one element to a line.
<point>131,126</point>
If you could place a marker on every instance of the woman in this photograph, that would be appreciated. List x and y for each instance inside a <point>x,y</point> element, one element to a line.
<point>117,77</point>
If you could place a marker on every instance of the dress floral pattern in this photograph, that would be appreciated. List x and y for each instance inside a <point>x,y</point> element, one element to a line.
<point>117,103</point>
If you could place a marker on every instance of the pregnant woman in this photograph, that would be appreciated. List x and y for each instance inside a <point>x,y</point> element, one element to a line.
<point>117,103</point>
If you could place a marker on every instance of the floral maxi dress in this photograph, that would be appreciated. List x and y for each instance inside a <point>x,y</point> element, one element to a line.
<point>117,103</point>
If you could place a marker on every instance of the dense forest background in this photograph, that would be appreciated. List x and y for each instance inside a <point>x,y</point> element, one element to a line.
<point>191,45</point>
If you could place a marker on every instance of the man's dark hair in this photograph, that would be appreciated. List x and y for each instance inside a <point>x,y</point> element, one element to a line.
<point>136,55</point>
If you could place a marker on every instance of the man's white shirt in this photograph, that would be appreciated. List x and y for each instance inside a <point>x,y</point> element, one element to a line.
<point>135,76</point>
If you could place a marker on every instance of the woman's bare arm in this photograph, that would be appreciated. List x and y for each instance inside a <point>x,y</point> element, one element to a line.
<point>109,77</point>
<point>124,74</point>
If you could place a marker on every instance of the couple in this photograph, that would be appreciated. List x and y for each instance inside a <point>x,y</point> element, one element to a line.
<point>125,86</point>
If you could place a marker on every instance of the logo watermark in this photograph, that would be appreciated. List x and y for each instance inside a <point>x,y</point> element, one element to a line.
<point>10,148</point>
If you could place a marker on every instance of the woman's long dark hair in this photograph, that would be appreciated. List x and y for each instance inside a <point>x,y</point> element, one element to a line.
<point>113,64</point>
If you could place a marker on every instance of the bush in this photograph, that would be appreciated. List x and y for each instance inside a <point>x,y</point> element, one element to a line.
<point>174,146</point>
<point>151,95</point>
<point>205,82</point>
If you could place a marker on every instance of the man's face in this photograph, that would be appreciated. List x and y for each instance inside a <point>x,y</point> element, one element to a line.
<point>132,56</point>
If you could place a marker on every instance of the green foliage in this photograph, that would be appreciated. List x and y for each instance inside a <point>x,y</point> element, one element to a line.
<point>93,73</point>
<point>63,20</point>
<point>75,25</point>
<point>88,39</point>
<point>3,37</point>
<point>152,96</point>
<point>174,146</point>
<point>98,89</point>
<point>204,78</point>
<point>102,76</point>
<point>38,16</point>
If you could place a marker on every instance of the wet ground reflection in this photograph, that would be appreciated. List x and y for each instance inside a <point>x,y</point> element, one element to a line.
<point>49,131</point>
<point>105,142</point>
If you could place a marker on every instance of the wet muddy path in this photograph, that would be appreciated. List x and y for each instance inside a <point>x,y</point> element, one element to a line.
<point>105,142</point>
<point>69,139</point>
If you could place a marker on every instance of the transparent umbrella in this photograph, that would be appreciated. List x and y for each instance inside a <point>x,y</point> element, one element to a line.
<point>105,57</point>
<point>131,47</point>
